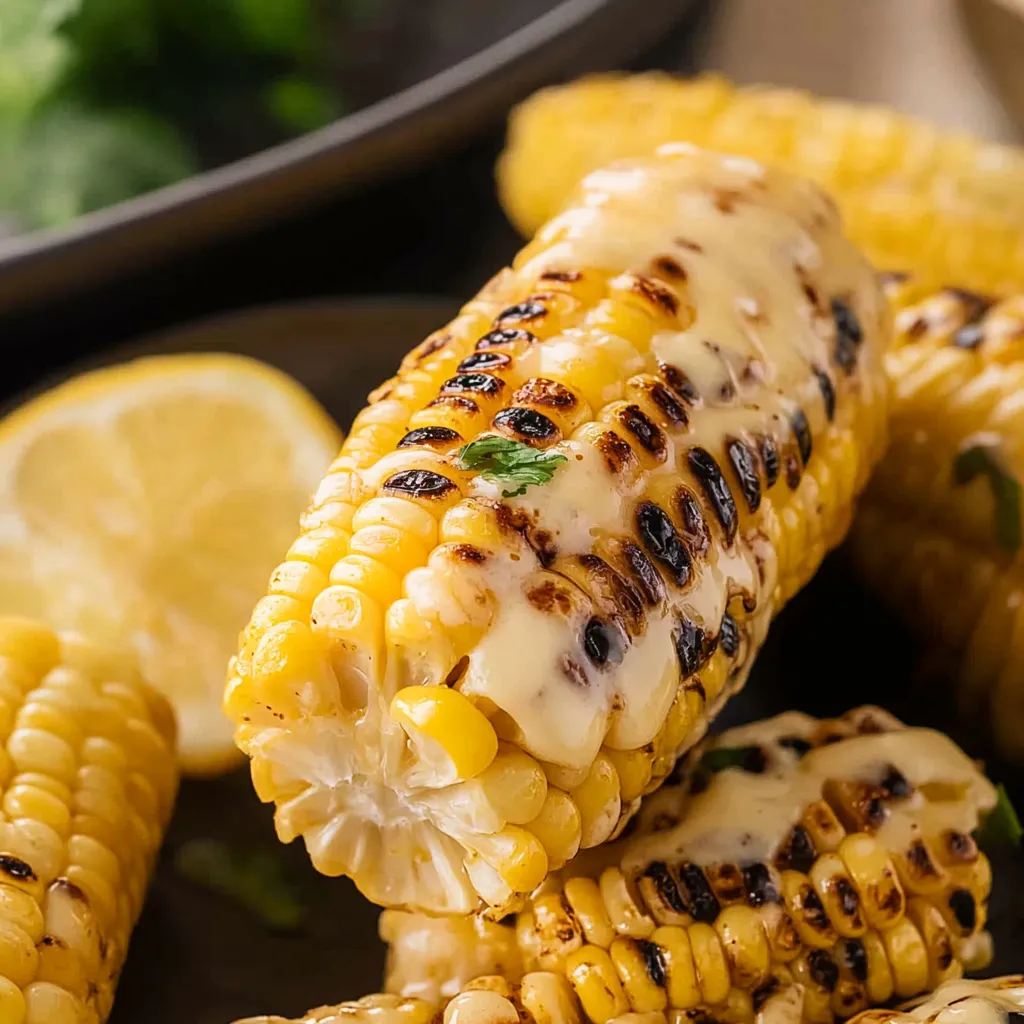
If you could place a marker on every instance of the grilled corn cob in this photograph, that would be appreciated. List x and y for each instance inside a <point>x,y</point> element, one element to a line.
<point>939,535</point>
<point>992,1001</point>
<point>834,854</point>
<point>88,776</point>
<point>455,683</point>
<point>911,194</point>
<point>432,958</point>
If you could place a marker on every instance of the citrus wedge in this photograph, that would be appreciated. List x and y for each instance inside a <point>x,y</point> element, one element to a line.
<point>146,505</point>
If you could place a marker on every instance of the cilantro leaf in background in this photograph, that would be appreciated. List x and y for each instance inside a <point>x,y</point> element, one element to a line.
<point>986,458</point>
<point>510,462</point>
<point>254,880</point>
<point>32,53</point>
<point>1001,827</point>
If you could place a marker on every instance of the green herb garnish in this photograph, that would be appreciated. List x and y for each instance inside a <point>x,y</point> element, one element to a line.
<point>717,759</point>
<point>510,462</point>
<point>987,459</point>
<point>1001,826</point>
<point>255,881</point>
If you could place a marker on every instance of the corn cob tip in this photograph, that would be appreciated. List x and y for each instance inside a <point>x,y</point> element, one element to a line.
<point>552,544</point>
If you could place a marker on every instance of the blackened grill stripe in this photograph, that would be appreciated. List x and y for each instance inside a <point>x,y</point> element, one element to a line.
<point>757,880</point>
<point>644,573</point>
<point>433,436</point>
<point>647,434</point>
<point>802,433</point>
<point>961,902</point>
<point>828,393</point>
<point>527,423</point>
<point>521,311</point>
<point>695,529</point>
<point>745,467</point>
<point>729,636</point>
<point>484,361</point>
<point>478,383</point>
<point>506,336</point>
<point>663,542</point>
<point>770,460</point>
<point>849,335</point>
<point>418,483</point>
<point>823,969</point>
<point>716,490</point>
<point>654,961</point>
<point>665,884</point>
<point>693,648</point>
<point>702,902</point>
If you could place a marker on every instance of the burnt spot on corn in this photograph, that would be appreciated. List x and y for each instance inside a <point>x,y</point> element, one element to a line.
<point>974,305</point>
<point>484,361</point>
<point>970,336</point>
<point>669,267</point>
<point>895,783</point>
<point>727,392</point>
<point>965,910</point>
<point>15,867</point>
<point>764,992</point>
<point>724,200</point>
<point>527,425</point>
<point>565,276</point>
<point>853,956</point>
<point>418,483</point>
<point>813,910</point>
<point>797,744</point>
<point>548,393</point>
<point>475,383</point>
<point>744,464</point>
<point>659,536</point>
<point>727,882</point>
<point>849,335</point>
<point>802,432</point>
<point>521,312</point>
<point>769,459</point>
<point>665,886</point>
<point>791,469</point>
<point>797,852</point>
<point>729,636</point>
<point>433,344</point>
<point>550,596</point>
<point>828,392</point>
<point>889,896</point>
<point>468,553</point>
<point>759,885</point>
<point>920,863</point>
<point>654,961</point>
<point>695,529</point>
<point>643,572</point>
<point>617,591</point>
<point>823,969</point>
<point>960,847</point>
<point>431,437</point>
<point>670,407</point>
<point>849,900</point>
<point>574,672</point>
<point>708,474</point>
<point>505,336</point>
<point>700,900</point>
<point>647,433</point>
<point>678,382</point>
<point>685,243</point>
<point>859,805</point>
<point>600,642</point>
<point>655,293</point>
<point>618,455</point>
<point>461,402</point>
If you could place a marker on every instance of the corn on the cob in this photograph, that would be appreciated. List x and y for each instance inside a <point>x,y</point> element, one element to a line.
<point>453,686</point>
<point>833,854</point>
<point>912,195</point>
<point>87,771</point>
<point>992,1001</point>
<point>939,535</point>
<point>432,958</point>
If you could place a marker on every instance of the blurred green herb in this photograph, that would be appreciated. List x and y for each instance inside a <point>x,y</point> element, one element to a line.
<point>987,459</point>
<point>717,759</point>
<point>255,880</point>
<point>1001,826</point>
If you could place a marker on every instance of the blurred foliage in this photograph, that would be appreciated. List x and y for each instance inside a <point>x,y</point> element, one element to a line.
<point>101,100</point>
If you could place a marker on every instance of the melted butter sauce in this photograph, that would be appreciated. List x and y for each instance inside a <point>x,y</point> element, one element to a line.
<point>749,239</point>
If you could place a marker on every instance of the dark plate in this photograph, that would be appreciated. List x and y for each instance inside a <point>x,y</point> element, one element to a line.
<point>499,52</point>
<point>199,958</point>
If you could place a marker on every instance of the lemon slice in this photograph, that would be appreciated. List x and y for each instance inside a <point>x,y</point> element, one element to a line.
<point>147,504</point>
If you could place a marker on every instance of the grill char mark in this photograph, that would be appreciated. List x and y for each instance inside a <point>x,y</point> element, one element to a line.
<point>709,476</point>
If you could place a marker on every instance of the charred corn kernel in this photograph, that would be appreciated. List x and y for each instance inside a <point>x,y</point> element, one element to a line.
<point>681,982</point>
<point>641,970</point>
<point>547,999</point>
<point>594,980</point>
<point>443,724</point>
<point>941,517</point>
<point>685,931</point>
<point>551,589</point>
<point>558,827</point>
<point>92,754</point>
<point>912,193</point>
<point>597,798</point>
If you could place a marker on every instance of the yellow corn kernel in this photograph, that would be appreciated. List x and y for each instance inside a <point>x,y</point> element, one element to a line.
<point>12,1003</point>
<point>398,549</point>
<point>927,919</point>
<point>301,581</point>
<point>709,959</point>
<point>633,768</point>
<point>879,983</point>
<point>745,945</point>
<point>626,917</point>
<point>823,827</point>
<point>322,547</point>
<point>558,827</point>
<point>33,750</point>
<point>556,931</point>
<point>783,937</point>
<point>548,999</point>
<point>874,877</point>
<point>644,993</point>
<point>368,575</point>
<point>681,982</point>
<point>813,926</point>
<point>31,802</point>
<point>584,897</point>
<point>399,513</point>
<point>448,732</point>
<point>46,1003</point>
<point>838,895</point>
<point>18,956</point>
<point>908,958</point>
<point>289,666</point>
<point>516,855</point>
<point>31,645</point>
<point>594,980</point>
<point>598,801</point>
<point>480,1007</point>
<point>515,786</point>
<point>817,1001</point>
